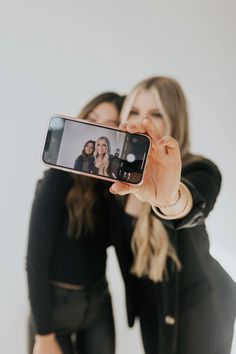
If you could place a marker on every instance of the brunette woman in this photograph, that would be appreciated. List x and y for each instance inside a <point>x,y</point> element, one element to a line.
<point>66,257</point>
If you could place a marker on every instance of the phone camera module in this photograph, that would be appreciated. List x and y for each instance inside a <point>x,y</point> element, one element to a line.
<point>130,158</point>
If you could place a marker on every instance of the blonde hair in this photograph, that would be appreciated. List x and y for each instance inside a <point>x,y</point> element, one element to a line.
<point>150,241</point>
<point>174,103</point>
<point>103,165</point>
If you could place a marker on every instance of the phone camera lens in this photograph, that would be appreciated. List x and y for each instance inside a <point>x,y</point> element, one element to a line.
<point>134,140</point>
<point>130,158</point>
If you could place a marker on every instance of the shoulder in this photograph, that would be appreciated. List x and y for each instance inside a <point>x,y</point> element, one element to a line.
<point>80,158</point>
<point>202,172</point>
<point>55,174</point>
<point>201,163</point>
<point>54,181</point>
<point>203,179</point>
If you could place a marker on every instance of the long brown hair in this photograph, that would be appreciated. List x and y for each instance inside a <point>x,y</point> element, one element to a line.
<point>150,242</point>
<point>86,191</point>
<point>83,152</point>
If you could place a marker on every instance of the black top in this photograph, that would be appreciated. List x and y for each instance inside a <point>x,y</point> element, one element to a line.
<point>52,255</point>
<point>202,296</point>
<point>84,163</point>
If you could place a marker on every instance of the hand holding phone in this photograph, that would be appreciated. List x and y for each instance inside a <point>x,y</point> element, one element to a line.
<point>93,150</point>
<point>163,171</point>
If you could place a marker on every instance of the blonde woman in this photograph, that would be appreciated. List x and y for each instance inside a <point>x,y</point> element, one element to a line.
<point>102,156</point>
<point>184,299</point>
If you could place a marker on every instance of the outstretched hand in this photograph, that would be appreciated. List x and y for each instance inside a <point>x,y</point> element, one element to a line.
<point>163,170</point>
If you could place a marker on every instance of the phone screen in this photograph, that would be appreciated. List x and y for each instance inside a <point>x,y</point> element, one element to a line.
<point>86,148</point>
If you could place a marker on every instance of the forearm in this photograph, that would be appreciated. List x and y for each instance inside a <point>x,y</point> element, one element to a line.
<point>40,299</point>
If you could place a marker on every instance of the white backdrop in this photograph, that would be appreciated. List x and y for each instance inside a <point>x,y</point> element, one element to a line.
<point>57,54</point>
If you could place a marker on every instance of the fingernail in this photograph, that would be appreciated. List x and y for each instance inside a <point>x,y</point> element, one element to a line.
<point>113,189</point>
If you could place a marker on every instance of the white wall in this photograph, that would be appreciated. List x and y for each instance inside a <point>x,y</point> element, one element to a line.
<point>54,56</point>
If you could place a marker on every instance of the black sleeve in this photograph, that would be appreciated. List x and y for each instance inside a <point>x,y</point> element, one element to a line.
<point>92,164</point>
<point>78,163</point>
<point>47,211</point>
<point>203,179</point>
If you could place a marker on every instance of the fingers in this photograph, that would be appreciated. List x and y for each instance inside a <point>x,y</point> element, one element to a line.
<point>168,142</point>
<point>151,129</point>
<point>160,144</point>
<point>146,126</point>
<point>133,128</point>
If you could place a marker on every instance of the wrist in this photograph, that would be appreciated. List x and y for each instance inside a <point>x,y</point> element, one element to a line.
<point>45,337</point>
<point>171,203</point>
<point>177,209</point>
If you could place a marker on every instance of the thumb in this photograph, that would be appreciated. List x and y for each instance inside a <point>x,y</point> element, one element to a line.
<point>121,188</point>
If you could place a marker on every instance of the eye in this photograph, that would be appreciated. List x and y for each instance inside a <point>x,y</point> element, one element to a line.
<point>133,112</point>
<point>157,115</point>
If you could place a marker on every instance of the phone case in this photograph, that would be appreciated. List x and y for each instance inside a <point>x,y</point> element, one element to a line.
<point>113,180</point>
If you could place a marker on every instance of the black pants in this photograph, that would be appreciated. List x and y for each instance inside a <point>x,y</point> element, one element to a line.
<point>83,320</point>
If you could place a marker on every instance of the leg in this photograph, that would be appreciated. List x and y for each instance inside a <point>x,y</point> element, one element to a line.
<point>68,311</point>
<point>65,343</point>
<point>98,334</point>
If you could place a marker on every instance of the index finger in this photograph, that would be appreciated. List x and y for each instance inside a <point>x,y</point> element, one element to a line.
<point>151,129</point>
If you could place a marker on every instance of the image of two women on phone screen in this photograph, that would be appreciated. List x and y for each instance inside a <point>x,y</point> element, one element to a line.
<point>96,158</point>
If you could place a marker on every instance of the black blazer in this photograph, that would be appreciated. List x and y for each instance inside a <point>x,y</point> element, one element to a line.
<point>201,297</point>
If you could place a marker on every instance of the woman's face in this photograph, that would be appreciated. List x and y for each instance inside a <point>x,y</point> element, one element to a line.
<point>105,113</point>
<point>89,148</point>
<point>101,147</point>
<point>148,104</point>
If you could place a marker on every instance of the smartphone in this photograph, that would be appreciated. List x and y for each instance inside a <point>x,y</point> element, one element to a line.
<point>89,149</point>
